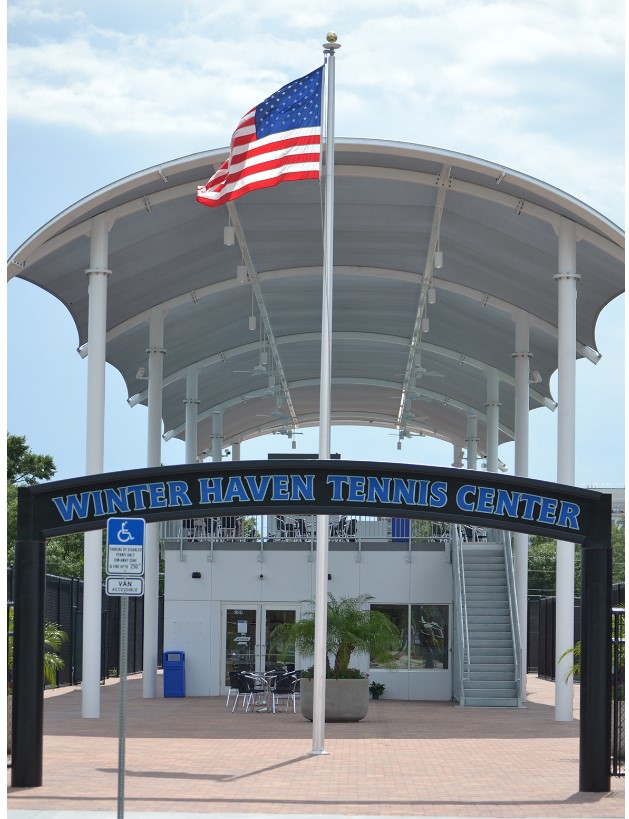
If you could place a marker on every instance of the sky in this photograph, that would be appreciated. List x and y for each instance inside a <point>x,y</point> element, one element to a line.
<point>101,90</point>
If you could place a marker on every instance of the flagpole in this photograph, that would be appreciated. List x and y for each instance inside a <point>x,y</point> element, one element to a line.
<point>323,521</point>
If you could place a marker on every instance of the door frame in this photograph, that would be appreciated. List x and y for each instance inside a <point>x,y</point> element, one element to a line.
<point>260,629</point>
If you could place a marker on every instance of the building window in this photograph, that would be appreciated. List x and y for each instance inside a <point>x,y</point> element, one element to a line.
<point>422,646</point>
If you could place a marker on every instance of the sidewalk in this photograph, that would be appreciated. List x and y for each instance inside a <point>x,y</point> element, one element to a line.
<point>194,757</point>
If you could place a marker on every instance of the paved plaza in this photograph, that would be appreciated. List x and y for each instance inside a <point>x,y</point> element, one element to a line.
<point>192,756</point>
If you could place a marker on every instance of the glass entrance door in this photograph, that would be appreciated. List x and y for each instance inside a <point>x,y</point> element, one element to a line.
<point>247,631</point>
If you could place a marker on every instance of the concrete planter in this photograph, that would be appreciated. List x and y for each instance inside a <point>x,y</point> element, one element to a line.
<point>345,700</point>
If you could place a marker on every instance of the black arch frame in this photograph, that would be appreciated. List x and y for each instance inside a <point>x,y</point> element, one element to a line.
<point>315,487</point>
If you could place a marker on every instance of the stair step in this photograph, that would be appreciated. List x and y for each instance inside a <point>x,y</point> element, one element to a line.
<point>485,608</point>
<point>474,557</point>
<point>491,648</point>
<point>490,685</point>
<point>493,675</point>
<point>499,641</point>
<point>491,702</point>
<point>502,660</point>
<point>488,548</point>
<point>476,562</point>
<point>490,667</point>
<point>473,580</point>
<point>487,618</point>
<point>489,631</point>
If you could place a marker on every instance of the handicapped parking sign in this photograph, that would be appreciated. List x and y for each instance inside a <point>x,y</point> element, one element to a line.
<point>125,546</point>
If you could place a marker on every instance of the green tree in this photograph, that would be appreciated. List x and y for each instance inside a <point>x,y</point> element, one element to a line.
<point>25,467</point>
<point>543,563</point>
<point>618,551</point>
<point>64,555</point>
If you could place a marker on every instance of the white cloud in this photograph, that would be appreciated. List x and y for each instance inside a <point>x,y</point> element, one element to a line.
<point>522,83</point>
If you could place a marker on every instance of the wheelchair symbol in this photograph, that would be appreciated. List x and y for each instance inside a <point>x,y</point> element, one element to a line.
<point>124,535</point>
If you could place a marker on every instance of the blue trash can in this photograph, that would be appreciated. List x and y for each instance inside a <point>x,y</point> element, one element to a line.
<point>400,530</point>
<point>174,664</point>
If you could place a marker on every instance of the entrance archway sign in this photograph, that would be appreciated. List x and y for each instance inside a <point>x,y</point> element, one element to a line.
<point>315,487</point>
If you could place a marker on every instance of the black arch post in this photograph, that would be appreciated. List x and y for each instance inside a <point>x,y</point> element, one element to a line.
<point>29,596</point>
<point>596,656</point>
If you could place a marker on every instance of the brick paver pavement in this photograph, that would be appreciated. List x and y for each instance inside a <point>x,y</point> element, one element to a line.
<point>404,759</point>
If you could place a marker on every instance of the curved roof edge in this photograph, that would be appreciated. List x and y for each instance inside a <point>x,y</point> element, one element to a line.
<point>593,218</point>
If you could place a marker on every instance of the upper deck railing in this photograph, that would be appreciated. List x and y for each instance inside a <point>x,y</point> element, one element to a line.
<point>300,529</point>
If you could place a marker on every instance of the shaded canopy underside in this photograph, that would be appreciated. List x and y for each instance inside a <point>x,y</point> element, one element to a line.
<point>395,205</point>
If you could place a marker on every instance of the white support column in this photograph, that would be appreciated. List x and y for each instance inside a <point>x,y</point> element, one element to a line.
<point>95,446</point>
<point>236,451</point>
<point>493,417</point>
<point>217,435</point>
<point>156,353</point>
<point>566,278</point>
<point>457,454</point>
<point>522,358</point>
<point>192,410</point>
<point>472,441</point>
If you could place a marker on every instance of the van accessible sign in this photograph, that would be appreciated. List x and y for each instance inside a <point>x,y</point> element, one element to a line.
<point>314,487</point>
<point>125,557</point>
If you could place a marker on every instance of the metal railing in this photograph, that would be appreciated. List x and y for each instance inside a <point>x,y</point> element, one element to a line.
<point>300,529</point>
<point>460,617</point>
<point>505,538</point>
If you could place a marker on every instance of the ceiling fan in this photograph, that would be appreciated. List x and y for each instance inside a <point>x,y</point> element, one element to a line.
<point>420,371</point>
<point>403,433</point>
<point>275,414</point>
<point>286,431</point>
<point>278,412</point>
<point>409,415</point>
<point>259,369</point>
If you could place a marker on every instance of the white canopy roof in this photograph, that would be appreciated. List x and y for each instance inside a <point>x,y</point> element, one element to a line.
<point>395,205</point>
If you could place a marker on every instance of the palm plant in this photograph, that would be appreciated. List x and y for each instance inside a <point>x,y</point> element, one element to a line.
<point>351,627</point>
<point>54,637</point>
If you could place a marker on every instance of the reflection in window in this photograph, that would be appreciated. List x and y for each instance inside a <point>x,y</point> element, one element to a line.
<point>425,644</point>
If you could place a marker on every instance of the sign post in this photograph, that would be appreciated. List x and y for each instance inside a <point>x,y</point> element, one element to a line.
<point>125,564</point>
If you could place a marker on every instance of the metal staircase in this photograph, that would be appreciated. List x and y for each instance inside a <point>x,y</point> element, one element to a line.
<point>488,665</point>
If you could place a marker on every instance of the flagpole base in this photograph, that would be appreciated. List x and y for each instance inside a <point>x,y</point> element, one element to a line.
<point>314,752</point>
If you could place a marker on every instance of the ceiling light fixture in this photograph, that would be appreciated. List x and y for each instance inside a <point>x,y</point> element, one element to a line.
<point>432,295</point>
<point>438,259</point>
<point>241,273</point>
<point>229,235</point>
<point>425,324</point>
<point>252,318</point>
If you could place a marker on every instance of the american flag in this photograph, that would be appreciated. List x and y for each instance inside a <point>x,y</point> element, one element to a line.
<point>277,141</point>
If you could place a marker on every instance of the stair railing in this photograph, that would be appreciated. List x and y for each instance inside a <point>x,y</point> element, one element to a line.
<point>505,537</point>
<point>463,643</point>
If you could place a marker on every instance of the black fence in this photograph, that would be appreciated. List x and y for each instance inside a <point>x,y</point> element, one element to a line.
<point>618,692</point>
<point>541,658</point>
<point>541,643</point>
<point>64,606</point>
